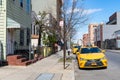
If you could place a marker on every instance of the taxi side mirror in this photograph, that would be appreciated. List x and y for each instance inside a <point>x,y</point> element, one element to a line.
<point>77,53</point>
<point>77,50</point>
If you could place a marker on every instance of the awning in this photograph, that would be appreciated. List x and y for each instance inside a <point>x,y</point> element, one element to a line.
<point>12,23</point>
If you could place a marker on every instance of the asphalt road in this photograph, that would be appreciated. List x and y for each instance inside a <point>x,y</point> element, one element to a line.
<point>111,73</point>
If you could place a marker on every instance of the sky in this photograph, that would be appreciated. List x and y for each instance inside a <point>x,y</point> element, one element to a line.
<point>97,11</point>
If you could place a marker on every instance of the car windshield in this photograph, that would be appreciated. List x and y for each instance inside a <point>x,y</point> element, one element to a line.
<point>77,47</point>
<point>90,50</point>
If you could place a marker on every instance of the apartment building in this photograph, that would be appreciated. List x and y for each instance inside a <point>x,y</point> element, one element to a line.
<point>117,37</point>
<point>85,39</point>
<point>91,31</point>
<point>80,42</point>
<point>49,22</point>
<point>106,35</point>
<point>98,35</point>
<point>34,30</point>
<point>52,8</point>
<point>15,23</point>
<point>114,19</point>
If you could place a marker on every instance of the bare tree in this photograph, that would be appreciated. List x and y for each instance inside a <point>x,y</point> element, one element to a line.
<point>41,23</point>
<point>73,16</point>
<point>46,25</point>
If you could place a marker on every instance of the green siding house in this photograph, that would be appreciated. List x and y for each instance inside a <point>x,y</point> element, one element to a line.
<point>15,24</point>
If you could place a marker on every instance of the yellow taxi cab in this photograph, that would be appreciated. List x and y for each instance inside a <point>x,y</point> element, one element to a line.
<point>75,49</point>
<point>91,57</point>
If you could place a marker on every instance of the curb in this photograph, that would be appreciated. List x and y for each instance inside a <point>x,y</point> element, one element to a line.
<point>73,64</point>
<point>114,51</point>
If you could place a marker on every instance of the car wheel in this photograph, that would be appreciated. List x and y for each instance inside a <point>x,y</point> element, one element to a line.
<point>78,64</point>
<point>79,67</point>
<point>76,58</point>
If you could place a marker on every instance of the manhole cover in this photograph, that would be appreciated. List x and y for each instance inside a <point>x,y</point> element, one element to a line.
<point>45,76</point>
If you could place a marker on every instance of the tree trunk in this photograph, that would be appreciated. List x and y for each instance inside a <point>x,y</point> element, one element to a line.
<point>64,54</point>
<point>64,48</point>
<point>39,41</point>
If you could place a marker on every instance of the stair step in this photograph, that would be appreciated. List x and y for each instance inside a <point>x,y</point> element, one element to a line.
<point>13,57</point>
<point>17,60</point>
<point>24,63</point>
<point>40,57</point>
<point>34,60</point>
<point>21,60</point>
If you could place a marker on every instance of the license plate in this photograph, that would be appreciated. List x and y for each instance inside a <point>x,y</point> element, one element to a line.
<point>93,63</point>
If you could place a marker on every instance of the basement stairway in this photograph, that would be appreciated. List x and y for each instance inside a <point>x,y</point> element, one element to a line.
<point>18,60</point>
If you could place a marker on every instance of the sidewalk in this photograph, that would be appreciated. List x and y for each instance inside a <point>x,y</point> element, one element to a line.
<point>46,69</point>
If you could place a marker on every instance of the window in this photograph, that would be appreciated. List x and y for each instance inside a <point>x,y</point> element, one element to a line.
<point>21,3</point>
<point>37,30</point>
<point>28,6</point>
<point>28,37</point>
<point>21,37</point>
<point>34,29</point>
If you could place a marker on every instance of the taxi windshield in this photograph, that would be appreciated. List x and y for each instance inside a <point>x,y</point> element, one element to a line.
<point>90,50</point>
<point>77,47</point>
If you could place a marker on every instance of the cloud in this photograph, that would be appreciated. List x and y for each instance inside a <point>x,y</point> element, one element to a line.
<point>85,12</point>
<point>75,10</point>
<point>91,11</point>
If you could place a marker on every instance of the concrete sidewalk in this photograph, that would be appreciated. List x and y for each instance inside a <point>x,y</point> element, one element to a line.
<point>46,69</point>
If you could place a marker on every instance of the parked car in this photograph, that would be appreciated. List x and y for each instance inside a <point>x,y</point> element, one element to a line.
<point>75,49</point>
<point>91,57</point>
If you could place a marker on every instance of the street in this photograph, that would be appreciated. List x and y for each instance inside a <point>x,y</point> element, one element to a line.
<point>111,73</point>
